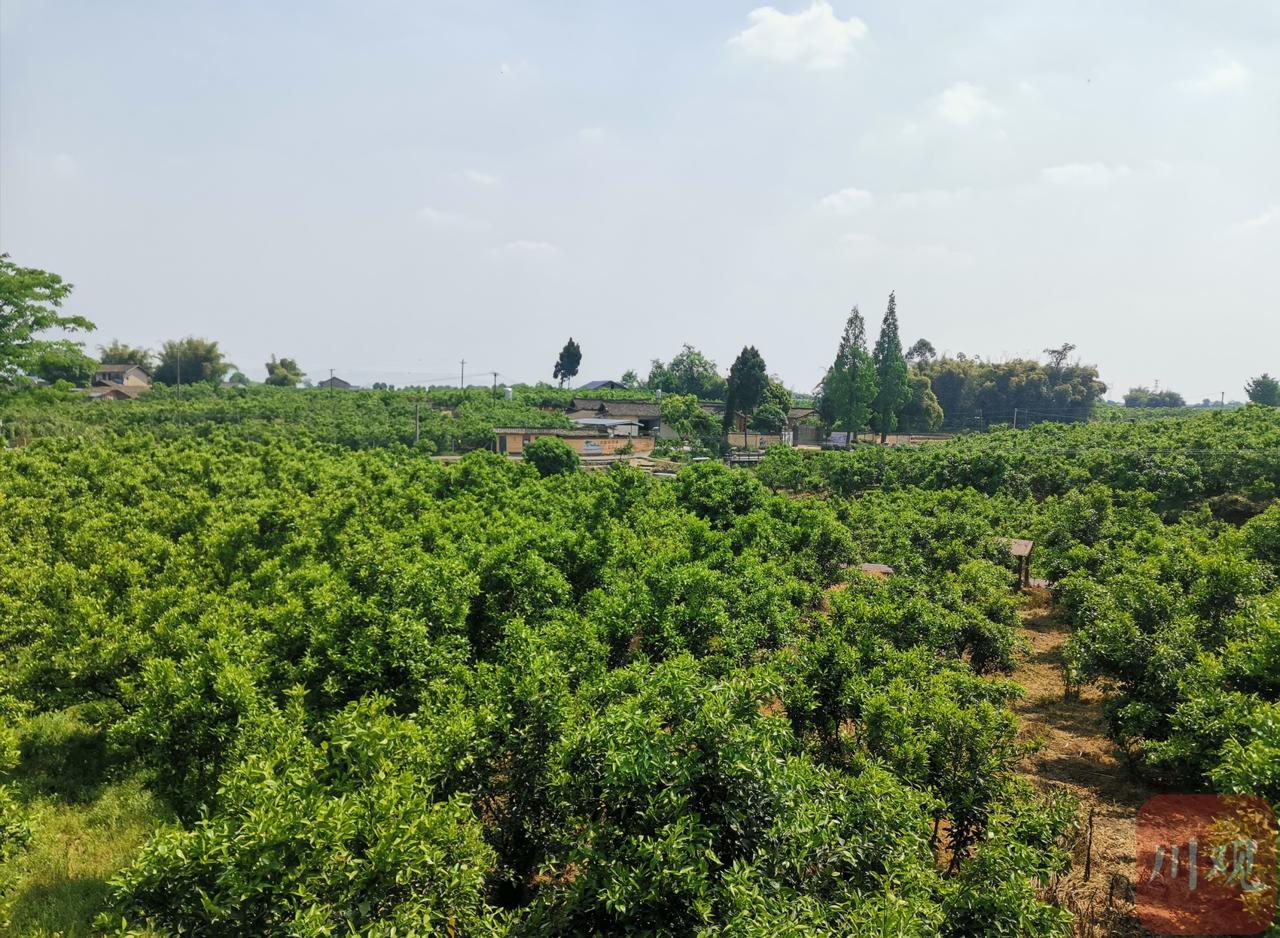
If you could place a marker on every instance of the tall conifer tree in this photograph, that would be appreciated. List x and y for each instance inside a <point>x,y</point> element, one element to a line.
<point>891,372</point>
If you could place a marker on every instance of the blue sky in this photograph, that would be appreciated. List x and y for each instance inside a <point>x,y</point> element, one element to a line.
<point>386,188</point>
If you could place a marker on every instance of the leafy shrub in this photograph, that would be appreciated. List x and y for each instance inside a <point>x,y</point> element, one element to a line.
<point>551,456</point>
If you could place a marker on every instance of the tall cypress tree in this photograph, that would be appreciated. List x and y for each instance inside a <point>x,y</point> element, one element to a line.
<point>850,385</point>
<point>747,380</point>
<point>891,372</point>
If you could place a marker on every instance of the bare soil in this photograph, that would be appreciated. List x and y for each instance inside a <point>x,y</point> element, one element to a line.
<point>1076,755</point>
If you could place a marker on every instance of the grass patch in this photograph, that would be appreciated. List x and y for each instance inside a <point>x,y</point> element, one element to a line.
<point>60,880</point>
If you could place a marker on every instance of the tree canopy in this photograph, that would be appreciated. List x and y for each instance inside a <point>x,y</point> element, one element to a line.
<point>689,372</point>
<point>1145,397</point>
<point>1264,389</point>
<point>921,353</point>
<point>191,361</point>
<point>63,361</point>
<point>284,373</point>
<point>775,403</point>
<point>849,388</point>
<point>747,380</point>
<point>551,456</point>
<point>118,353</point>
<point>567,364</point>
<point>30,305</point>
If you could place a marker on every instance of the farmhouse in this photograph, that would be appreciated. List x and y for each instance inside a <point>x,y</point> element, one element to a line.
<point>647,415</point>
<point>335,383</point>
<point>609,385</point>
<point>114,392</point>
<point>598,439</point>
<point>121,375</point>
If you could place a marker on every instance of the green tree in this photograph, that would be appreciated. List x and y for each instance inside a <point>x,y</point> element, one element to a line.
<point>630,379</point>
<point>1145,397</point>
<point>551,456</point>
<point>690,372</point>
<point>190,361</point>
<point>849,387</point>
<point>117,353</point>
<point>921,354</point>
<point>747,380</point>
<point>1264,389</point>
<point>284,373</point>
<point>30,304</point>
<point>891,373</point>
<point>568,362</point>
<point>63,361</point>
<point>922,410</point>
<point>775,403</point>
<point>682,415</point>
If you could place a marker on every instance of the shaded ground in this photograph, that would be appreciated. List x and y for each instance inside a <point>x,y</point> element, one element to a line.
<point>61,881</point>
<point>1077,756</point>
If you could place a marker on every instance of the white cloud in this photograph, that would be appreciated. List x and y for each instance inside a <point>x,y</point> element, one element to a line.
<point>1084,174</point>
<point>1258,222</point>
<point>1223,78</point>
<point>814,38</point>
<point>964,102</point>
<point>440,218</point>
<point>844,202</point>
<point>480,178</point>
<point>531,248</point>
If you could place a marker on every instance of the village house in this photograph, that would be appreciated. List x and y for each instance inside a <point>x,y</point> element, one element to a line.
<point>335,383</point>
<point>606,438</point>
<point>121,375</point>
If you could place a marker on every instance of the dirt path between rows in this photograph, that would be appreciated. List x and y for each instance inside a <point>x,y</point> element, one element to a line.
<point>1076,755</point>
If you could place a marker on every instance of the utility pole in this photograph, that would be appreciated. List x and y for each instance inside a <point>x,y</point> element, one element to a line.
<point>417,421</point>
<point>1015,418</point>
<point>462,375</point>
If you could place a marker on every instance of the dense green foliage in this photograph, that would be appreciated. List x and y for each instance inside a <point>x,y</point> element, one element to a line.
<point>1145,397</point>
<point>391,695</point>
<point>975,394</point>
<point>191,361</point>
<point>1264,389</point>
<point>748,378</point>
<point>449,420</point>
<point>383,694</point>
<point>1163,540</point>
<point>118,353</point>
<point>283,373</point>
<point>689,372</point>
<point>551,456</point>
<point>30,306</point>
<point>849,386</point>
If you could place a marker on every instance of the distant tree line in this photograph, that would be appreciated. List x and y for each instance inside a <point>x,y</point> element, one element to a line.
<point>1145,397</point>
<point>882,389</point>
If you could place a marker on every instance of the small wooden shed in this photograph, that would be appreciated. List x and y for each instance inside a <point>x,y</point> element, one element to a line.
<point>1021,550</point>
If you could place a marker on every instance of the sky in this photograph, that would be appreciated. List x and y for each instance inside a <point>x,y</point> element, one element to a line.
<point>387,188</point>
